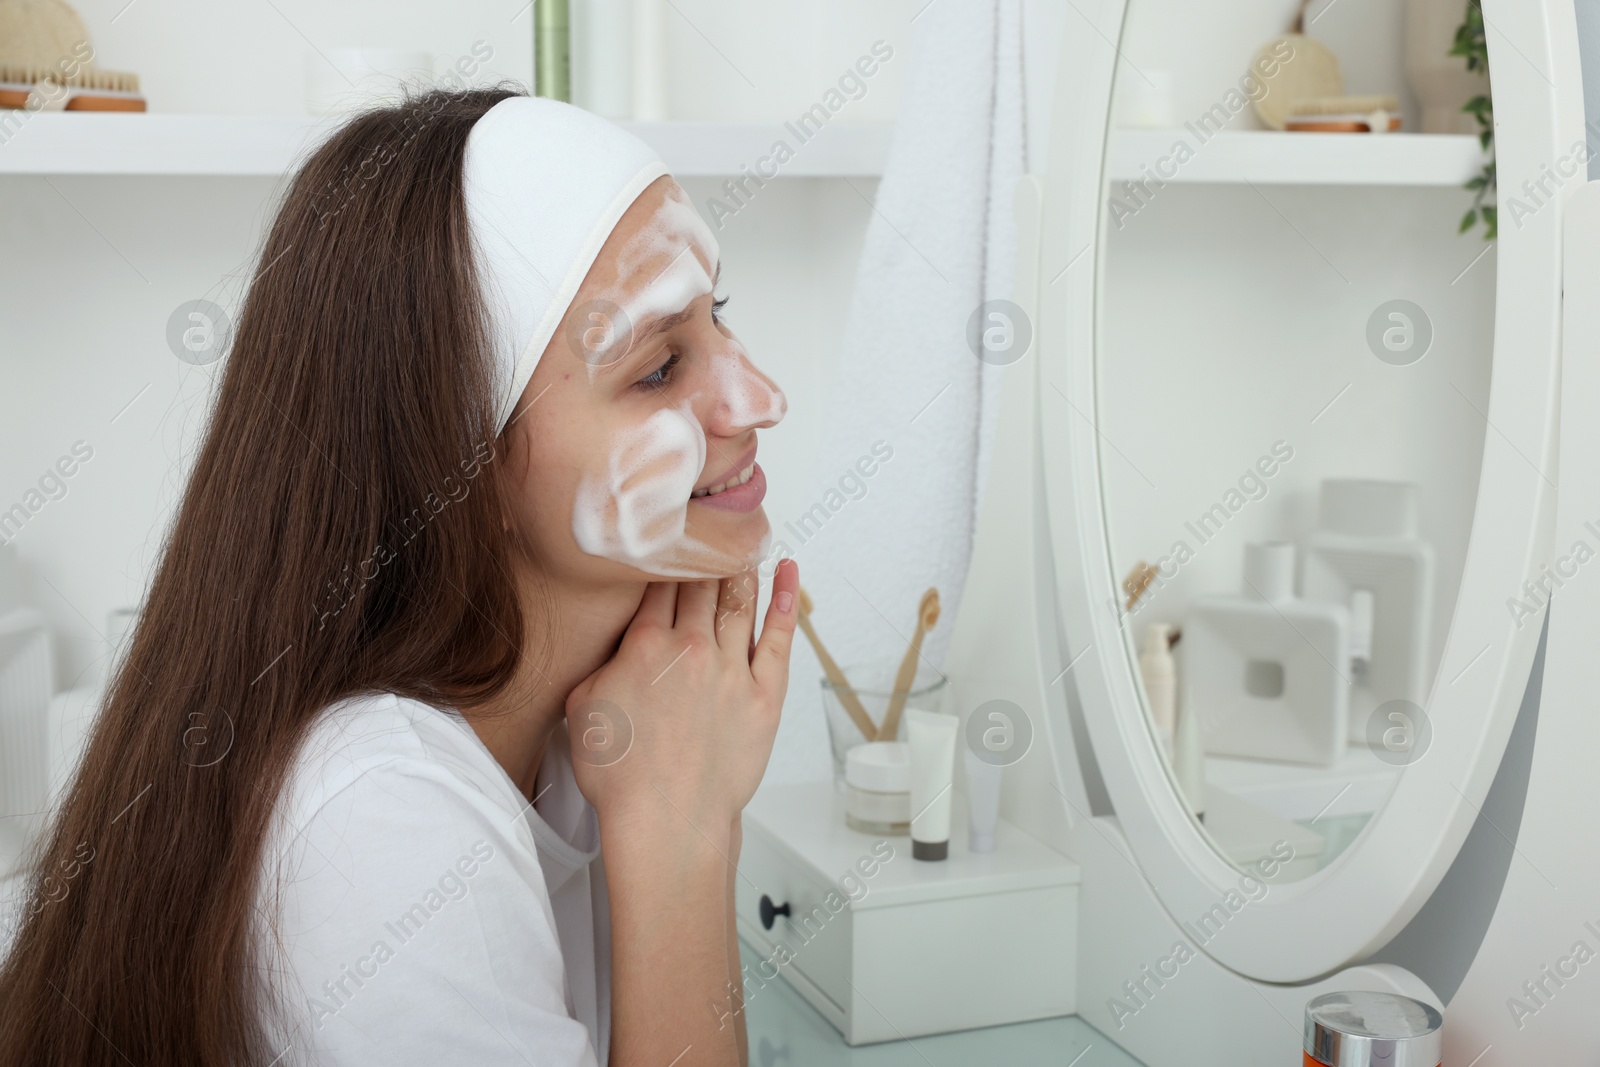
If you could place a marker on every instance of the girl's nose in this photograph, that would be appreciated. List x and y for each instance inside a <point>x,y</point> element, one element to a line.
<point>742,398</point>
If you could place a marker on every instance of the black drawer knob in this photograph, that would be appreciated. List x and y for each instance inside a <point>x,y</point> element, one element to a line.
<point>770,911</point>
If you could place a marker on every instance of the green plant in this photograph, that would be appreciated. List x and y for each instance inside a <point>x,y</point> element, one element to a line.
<point>1472,44</point>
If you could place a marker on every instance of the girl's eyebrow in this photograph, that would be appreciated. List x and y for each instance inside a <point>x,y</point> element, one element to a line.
<point>663,323</point>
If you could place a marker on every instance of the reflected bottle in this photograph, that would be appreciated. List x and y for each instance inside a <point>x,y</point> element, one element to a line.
<point>1366,554</point>
<point>1189,762</point>
<point>1269,671</point>
<point>1160,676</point>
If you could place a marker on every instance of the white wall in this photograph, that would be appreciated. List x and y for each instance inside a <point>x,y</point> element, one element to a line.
<point>728,60</point>
<point>84,333</point>
<point>82,325</point>
<point>1257,334</point>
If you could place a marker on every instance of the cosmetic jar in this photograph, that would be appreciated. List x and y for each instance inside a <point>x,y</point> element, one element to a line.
<point>873,683</point>
<point>877,788</point>
<point>1372,1030</point>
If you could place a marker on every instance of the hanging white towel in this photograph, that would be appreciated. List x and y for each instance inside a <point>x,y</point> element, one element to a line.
<point>941,242</point>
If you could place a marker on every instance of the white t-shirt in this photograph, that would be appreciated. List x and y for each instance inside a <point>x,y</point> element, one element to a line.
<point>427,913</point>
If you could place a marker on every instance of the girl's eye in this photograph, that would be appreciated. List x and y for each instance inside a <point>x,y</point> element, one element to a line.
<point>662,375</point>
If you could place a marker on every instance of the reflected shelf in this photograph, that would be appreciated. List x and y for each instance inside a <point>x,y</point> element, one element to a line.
<point>1254,807</point>
<point>1358,783</point>
<point>1193,154</point>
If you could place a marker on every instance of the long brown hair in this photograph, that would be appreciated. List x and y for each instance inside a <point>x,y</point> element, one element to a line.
<point>338,534</point>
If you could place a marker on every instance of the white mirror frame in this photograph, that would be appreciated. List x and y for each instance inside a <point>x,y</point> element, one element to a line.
<point>1301,930</point>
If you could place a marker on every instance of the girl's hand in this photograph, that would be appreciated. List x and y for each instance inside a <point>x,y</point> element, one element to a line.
<point>684,715</point>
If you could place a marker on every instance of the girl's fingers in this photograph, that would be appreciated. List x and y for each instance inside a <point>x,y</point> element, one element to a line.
<point>736,612</point>
<point>697,605</point>
<point>657,606</point>
<point>770,663</point>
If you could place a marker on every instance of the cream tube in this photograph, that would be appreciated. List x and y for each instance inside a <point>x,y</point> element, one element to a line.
<point>933,752</point>
<point>983,801</point>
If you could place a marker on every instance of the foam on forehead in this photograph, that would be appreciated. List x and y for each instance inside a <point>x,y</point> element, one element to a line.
<point>660,270</point>
<point>545,183</point>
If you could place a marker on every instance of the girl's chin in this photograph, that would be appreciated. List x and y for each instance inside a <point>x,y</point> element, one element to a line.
<point>728,548</point>
<point>735,533</point>
<point>705,551</point>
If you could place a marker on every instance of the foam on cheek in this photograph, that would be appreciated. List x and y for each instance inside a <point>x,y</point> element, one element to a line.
<point>641,505</point>
<point>637,513</point>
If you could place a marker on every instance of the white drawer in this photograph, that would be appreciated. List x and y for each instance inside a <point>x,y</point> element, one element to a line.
<point>885,946</point>
<point>816,936</point>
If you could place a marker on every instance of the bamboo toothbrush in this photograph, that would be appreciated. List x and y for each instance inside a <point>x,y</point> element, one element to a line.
<point>841,686</point>
<point>927,619</point>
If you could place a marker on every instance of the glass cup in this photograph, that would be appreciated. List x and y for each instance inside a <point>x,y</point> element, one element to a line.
<point>873,683</point>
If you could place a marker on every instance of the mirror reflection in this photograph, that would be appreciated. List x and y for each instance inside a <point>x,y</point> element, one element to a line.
<point>1293,359</point>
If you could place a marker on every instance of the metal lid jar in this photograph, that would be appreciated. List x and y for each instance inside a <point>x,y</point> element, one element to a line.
<point>1372,1030</point>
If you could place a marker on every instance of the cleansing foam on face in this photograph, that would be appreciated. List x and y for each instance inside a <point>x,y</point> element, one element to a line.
<point>933,752</point>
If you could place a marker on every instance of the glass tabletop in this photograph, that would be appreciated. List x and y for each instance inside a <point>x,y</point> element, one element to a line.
<point>785,1031</point>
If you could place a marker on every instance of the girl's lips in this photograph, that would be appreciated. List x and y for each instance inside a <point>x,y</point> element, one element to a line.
<point>746,497</point>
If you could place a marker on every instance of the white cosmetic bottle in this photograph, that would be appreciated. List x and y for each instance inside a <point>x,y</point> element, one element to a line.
<point>983,800</point>
<point>1189,763</point>
<point>1160,674</point>
<point>933,753</point>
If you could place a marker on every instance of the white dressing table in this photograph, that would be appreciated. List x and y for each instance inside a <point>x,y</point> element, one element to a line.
<point>785,1031</point>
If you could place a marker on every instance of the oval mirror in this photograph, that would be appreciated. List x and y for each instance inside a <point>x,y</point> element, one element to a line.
<point>1300,454</point>
<point>1298,435</point>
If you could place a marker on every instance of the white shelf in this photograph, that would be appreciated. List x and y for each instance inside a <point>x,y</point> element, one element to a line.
<point>1273,158</point>
<point>268,145</point>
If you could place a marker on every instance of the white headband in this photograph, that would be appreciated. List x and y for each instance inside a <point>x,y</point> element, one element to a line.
<point>545,183</point>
